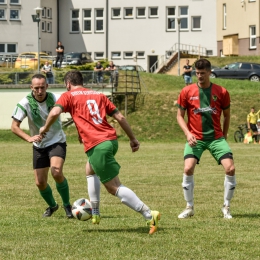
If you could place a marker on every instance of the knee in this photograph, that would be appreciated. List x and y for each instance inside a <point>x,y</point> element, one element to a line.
<point>188,170</point>
<point>41,185</point>
<point>230,170</point>
<point>56,173</point>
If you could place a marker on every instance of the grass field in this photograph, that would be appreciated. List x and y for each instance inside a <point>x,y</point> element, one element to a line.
<point>155,174</point>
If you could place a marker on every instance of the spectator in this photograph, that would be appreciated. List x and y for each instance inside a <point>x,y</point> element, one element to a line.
<point>60,52</point>
<point>46,69</point>
<point>251,123</point>
<point>114,74</point>
<point>187,73</point>
<point>99,72</point>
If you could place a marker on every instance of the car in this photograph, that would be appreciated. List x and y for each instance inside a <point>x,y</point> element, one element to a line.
<point>238,70</point>
<point>131,67</point>
<point>76,58</point>
<point>29,60</point>
<point>7,60</point>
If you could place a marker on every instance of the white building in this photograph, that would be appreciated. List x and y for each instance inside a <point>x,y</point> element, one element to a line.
<point>126,32</point>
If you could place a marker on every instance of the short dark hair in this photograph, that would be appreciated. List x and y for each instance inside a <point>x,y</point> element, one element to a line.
<point>38,76</point>
<point>202,64</point>
<point>74,77</point>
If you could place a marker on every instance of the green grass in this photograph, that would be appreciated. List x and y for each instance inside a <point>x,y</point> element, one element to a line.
<point>155,174</point>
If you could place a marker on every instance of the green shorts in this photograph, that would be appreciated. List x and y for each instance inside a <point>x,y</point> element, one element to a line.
<point>218,148</point>
<point>102,160</point>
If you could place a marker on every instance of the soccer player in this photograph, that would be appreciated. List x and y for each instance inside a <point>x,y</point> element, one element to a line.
<point>49,152</point>
<point>88,109</point>
<point>251,123</point>
<point>204,103</point>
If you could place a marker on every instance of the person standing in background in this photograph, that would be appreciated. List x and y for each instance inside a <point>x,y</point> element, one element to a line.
<point>251,123</point>
<point>187,73</point>
<point>48,73</point>
<point>60,53</point>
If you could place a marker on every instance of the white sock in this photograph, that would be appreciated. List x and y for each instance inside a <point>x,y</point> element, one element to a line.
<point>229,189</point>
<point>129,198</point>
<point>94,192</point>
<point>188,188</point>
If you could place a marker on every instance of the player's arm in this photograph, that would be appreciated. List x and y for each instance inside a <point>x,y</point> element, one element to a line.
<point>191,139</point>
<point>126,127</point>
<point>15,128</point>
<point>226,121</point>
<point>52,117</point>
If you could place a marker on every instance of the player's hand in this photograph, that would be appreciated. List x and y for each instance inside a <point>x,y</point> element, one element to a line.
<point>191,139</point>
<point>43,131</point>
<point>134,145</point>
<point>35,139</point>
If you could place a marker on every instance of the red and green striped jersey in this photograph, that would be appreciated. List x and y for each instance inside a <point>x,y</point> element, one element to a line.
<point>204,108</point>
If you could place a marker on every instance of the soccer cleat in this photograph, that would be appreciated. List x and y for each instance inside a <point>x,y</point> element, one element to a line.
<point>68,211</point>
<point>49,211</point>
<point>188,212</point>
<point>225,210</point>
<point>95,219</point>
<point>153,223</point>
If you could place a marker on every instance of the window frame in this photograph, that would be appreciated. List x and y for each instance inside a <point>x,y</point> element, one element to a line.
<point>112,13</point>
<point>140,16</point>
<point>3,3</point>
<point>84,19</point>
<point>174,17</point>
<point>138,56</point>
<point>183,17</point>
<point>73,19</point>
<point>128,57</point>
<point>43,26</point>
<point>128,16</point>
<point>19,15</point>
<point>4,18</point>
<point>149,12</point>
<point>252,37</point>
<point>224,16</point>
<point>6,48</point>
<point>192,23</point>
<point>97,18</point>
<point>19,2</point>
<point>115,57</point>
<point>43,12</point>
<point>49,27</point>
<point>96,57</point>
<point>49,13</point>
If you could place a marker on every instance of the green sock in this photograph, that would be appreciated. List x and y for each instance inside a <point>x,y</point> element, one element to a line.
<point>48,197</point>
<point>63,189</point>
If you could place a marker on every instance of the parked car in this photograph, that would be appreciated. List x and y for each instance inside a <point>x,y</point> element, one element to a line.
<point>131,67</point>
<point>26,60</point>
<point>238,70</point>
<point>76,58</point>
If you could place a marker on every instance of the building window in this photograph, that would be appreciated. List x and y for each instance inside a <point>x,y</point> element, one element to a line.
<point>48,13</point>
<point>14,14</point>
<point>153,12</point>
<point>116,13</point>
<point>140,12</point>
<point>140,55</point>
<point>183,11</point>
<point>99,55</point>
<point>7,48</point>
<point>2,2</point>
<point>196,23</point>
<point>43,26</point>
<point>43,12</point>
<point>49,27</point>
<point>128,55</point>
<point>252,30</point>
<point>209,52</point>
<point>74,20</point>
<point>171,19</point>
<point>251,1</point>
<point>2,14</point>
<point>15,2</point>
<point>87,20</point>
<point>116,55</point>
<point>224,17</point>
<point>99,20</point>
<point>128,13</point>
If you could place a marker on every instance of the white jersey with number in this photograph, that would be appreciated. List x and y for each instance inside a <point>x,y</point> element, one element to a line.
<point>37,113</point>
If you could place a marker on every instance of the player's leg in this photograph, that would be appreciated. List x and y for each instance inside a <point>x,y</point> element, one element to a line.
<point>57,154</point>
<point>191,158</point>
<point>93,184</point>
<point>41,165</point>
<point>222,153</point>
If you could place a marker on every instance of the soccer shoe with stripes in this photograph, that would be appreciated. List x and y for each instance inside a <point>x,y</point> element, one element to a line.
<point>49,211</point>
<point>153,223</point>
<point>95,219</point>
<point>188,212</point>
<point>226,212</point>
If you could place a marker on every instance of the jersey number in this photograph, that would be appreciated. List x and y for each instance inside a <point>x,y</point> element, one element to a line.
<point>94,111</point>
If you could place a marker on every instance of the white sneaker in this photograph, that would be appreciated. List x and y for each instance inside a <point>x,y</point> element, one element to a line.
<point>188,212</point>
<point>225,210</point>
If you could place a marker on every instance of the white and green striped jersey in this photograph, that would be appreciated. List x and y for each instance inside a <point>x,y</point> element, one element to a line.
<point>37,113</point>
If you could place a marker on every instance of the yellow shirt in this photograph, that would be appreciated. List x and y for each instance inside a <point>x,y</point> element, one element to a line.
<point>252,117</point>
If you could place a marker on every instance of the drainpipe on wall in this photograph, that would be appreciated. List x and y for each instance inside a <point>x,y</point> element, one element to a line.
<point>106,29</point>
